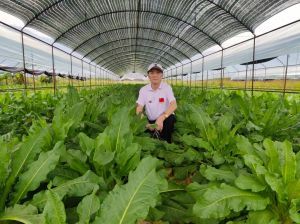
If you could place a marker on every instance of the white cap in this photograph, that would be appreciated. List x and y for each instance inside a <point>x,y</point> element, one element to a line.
<point>155,66</point>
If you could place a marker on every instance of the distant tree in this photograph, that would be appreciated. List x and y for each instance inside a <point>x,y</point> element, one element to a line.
<point>5,76</point>
<point>19,78</point>
<point>45,79</point>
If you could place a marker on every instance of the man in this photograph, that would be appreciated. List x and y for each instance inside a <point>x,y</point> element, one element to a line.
<point>159,102</point>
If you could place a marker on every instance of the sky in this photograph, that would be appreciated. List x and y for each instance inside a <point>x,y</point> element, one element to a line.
<point>287,16</point>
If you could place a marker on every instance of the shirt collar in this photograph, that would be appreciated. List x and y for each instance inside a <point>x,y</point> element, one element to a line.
<point>150,88</point>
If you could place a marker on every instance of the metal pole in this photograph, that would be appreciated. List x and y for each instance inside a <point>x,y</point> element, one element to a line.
<point>101,78</point>
<point>252,84</point>
<point>190,79</point>
<point>285,75</point>
<point>97,68</point>
<point>182,75</point>
<point>33,78</point>
<point>104,76</point>
<point>82,71</point>
<point>95,74</point>
<point>246,77</point>
<point>206,79</point>
<point>171,77</point>
<point>187,81</point>
<point>24,65</point>
<point>90,75</point>
<point>202,73</point>
<point>176,76</point>
<point>195,79</point>
<point>71,69</point>
<point>222,84</point>
<point>53,70</point>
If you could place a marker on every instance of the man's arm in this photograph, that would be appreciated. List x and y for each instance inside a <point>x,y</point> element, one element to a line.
<point>172,107</point>
<point>139,109</point>
<point>160,120</point>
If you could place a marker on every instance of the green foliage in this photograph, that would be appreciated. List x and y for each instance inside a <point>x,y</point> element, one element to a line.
<point>40,137</point>
<point>84,157</point>
<point>218,202</point>
<point>19,78</point>
<point>54,210</point>
<point>131,202</point>
<point>89,205</point>
<point>22,213</point>
<point>45,79</point>
<point>37,172</point>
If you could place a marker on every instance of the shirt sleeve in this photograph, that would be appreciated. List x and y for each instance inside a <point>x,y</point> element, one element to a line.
<point>141,99</point>
<point>170,95</point>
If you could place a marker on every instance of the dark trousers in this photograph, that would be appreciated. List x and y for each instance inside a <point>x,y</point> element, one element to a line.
<point>166,133</point>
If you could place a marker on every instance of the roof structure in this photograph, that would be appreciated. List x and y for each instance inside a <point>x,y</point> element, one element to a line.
<point>128,35</point>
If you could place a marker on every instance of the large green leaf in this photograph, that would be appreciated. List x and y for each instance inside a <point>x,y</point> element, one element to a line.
<point>119,127</point>
<point>191,140</point>
<point>214,174</point>
<point>200,120</point>
<point>104,153</point>
<point>273,154</point>
<point>101,158</point>
<point>62,174</point>
<point>131,202</point>
<point>65,118</point>
<point>197,190</point>
<point>298,165</point>
<point>54,210</point>
<point>177,207</point>
<point>277,185</point>
<point>293,189</point>
<point>4,163</point>
<point>24,155</point>
<point>37,172</point>
<point>245,148</point>
<point>262,217</point>
<point>255,164</point>
<point>128,159</point>
<point>75,163</point>
<point>24,214</point>
<point>219,202</point>
<point>78,187</point>
<point>249,182</point>
<point>86,143</point>
<point>295,210</point>
<point>288,161</point>
<point>89,205</point>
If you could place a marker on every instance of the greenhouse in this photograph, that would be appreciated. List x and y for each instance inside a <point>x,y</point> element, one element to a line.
<point>150,112</point>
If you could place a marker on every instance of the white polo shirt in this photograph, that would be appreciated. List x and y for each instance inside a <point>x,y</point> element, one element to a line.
<point>156,102</point>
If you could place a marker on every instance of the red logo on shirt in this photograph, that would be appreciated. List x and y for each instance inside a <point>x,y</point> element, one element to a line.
<point>161,100</point>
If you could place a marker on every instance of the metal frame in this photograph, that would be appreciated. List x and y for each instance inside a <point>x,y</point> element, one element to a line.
<point>115,50</point>
<point>137,11</point>
<point>147,39</point>
<point>146,60</point>
<point>140,61</point>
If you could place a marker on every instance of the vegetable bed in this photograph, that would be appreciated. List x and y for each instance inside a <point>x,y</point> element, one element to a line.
<point>83,157</point>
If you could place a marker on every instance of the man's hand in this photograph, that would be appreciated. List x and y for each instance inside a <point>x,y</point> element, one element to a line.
<point>160,123</point>
<point>150,127</point>
<point>139,109</point>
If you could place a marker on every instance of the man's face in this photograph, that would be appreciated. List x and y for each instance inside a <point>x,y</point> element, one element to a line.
<point>155,76</point>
